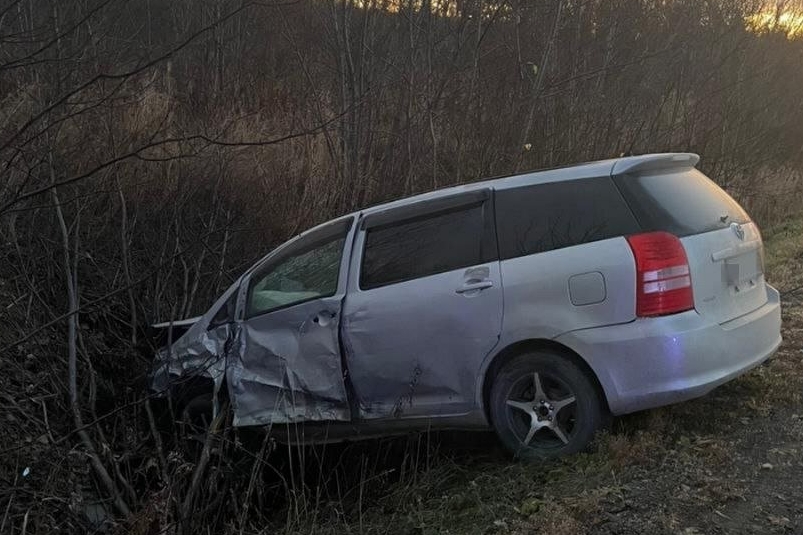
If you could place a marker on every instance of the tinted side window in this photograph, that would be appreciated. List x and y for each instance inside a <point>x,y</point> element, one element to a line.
<point>427,245</point>
<point>540,218</point>
<point>681,203</point>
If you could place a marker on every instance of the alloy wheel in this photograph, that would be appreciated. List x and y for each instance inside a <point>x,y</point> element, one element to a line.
<point>541,410</point>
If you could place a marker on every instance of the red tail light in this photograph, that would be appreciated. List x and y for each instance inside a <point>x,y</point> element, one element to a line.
<point>663,282</point>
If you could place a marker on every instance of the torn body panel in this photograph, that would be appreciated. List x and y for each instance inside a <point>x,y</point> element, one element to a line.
<point>273,337</point>
<point>287,368</point>
<point>199,351</point>
<point>192,355</point>
<point>279,368</point>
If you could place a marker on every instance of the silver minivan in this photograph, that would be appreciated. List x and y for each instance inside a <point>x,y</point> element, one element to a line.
<point>537,305</point>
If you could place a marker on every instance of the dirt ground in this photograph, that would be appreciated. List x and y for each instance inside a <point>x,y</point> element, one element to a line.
<point>737,462</point>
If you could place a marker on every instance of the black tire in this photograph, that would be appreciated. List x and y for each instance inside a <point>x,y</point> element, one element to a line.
<point>196,417</point>
<point>560,420</point>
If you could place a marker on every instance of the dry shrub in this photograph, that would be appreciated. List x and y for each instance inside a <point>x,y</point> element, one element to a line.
<point>642,447</point>
<point>550,517</point>
<point>770,195</point>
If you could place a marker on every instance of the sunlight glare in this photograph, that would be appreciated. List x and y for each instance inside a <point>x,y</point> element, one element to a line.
<point>787,22</point>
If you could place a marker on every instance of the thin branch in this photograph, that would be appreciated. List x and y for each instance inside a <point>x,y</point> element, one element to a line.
<point>164,142</point>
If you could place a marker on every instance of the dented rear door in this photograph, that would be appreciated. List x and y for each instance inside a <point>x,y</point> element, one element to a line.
<point>285,363</point>
<point>424,307</point>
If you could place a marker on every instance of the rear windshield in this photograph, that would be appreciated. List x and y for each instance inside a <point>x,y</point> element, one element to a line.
<point>681,203</point>
<point>545,217</point>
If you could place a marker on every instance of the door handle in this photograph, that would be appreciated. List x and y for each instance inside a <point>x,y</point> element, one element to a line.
<point>474,286</point>
<point>323,317</point>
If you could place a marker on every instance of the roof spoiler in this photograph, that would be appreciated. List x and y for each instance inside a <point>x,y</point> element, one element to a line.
<point>654,162</point>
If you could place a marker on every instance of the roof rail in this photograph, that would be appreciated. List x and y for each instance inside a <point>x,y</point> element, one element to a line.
<point>654,162</point>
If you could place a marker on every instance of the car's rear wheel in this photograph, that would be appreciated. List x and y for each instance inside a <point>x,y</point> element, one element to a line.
<point>543,406</point>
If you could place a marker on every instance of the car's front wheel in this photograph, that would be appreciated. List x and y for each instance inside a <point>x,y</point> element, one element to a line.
<point>543,406</point>
<point>196,417</point>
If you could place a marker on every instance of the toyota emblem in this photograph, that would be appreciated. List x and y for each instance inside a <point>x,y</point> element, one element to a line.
<point>738,230</point>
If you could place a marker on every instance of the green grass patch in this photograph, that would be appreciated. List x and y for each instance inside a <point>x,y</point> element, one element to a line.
<point>783,247</point>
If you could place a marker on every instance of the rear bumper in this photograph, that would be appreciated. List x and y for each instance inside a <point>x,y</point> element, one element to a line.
<point>658,361</point>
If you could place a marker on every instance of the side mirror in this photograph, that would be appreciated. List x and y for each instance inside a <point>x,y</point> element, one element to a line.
<point>226,312</point>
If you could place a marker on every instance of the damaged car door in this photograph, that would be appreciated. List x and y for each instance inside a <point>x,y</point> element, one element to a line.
<point>424,306</point>
<point>287,366</point>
